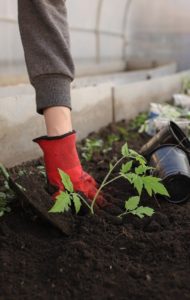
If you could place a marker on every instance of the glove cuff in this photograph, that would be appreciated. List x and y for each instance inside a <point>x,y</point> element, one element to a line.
<point>51,138</point>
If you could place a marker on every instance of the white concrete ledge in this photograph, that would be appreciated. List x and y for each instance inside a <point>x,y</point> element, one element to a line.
<point>125,77</point>
<point>105,72</point>
<point>92,108</point>
<point>133,98</point>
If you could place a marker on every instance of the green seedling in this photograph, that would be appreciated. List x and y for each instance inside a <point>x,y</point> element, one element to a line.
<point>138,121</point>
<point>42,171</point>
<point>8,194</point>
<point>132,207</point>
<point>68,198</point>
<point>111,138</point>
<point>91,146</point>
<point>136,176</point>
<point>186,84</point>
<point>4,207</point>
<point>22,173</point>
<point>123,132</point>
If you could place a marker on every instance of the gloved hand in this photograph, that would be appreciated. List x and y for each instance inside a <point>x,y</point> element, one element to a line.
<point>60,152</point>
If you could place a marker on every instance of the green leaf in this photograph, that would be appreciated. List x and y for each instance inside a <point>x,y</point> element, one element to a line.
<point>143,211</point>
<point>137,156</point>
<point>132,203</point>
<point>133,153</point>
<point>138,184</point>
<point>125,150</point>
<point>130,177</point>
<point>21,187</point>
<point>8,209</point>
<point>153,184</point>
<point>135,180</point>
<point>40,167</point>
<point>77,203</point>
<point>62,203</point>
<point>126,167</point>
<point>141,159</point>
<point>66,181</point>
<point>142,169</point>
<point>86,157</point>
<point>1,213</point>
<point>2,196</point>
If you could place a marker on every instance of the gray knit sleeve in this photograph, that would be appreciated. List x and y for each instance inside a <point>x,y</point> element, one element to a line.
<point>46,42</point>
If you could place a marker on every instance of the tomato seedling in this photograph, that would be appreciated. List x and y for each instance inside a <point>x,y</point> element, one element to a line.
<point>91,146</point>
<point>134,170</point>
<point>4,204</point>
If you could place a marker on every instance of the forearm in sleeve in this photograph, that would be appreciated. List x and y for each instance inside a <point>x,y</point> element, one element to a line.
<point>46,42</point>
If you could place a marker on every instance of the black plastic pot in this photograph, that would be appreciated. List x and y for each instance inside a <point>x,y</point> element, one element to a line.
<point>172,166</point>
<point>171,134</point>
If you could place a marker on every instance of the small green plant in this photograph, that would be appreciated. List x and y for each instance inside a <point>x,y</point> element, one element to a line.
<point>22,172</point>
<point>91,146</point>
<point>6,194</point>
<point>42,171</point>
<point>186,84</point>
<point>134,171</point>
<point>4,204</point>
<point>137,122</point>
<point>122,131</point>
<point>111,138</point>
<point>67,198</point>
<point>132,207</point>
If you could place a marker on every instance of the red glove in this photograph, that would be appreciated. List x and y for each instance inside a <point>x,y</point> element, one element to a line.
<point>60,152</point>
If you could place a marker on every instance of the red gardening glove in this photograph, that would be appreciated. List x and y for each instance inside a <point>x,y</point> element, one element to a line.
<point>60,153</point>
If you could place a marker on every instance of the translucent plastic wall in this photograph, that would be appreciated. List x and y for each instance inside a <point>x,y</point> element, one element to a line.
<point>98,29</point>
<point>10,47</point>
<point>159,31</point>
<point>139,32</point>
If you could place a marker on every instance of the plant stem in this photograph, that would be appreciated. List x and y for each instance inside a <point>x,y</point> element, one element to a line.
<point>85,202</point>
<point>103,183</point>
<point>4,172</point>
<point>123,214</point>
<point>108,182</point>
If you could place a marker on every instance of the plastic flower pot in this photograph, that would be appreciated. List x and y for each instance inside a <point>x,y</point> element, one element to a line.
<point>170,134</point>
<point>160,123</point>
<point>171,164</point>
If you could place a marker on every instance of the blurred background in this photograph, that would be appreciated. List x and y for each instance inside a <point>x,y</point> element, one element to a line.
<point>127,54</point>
<point>108,36</point>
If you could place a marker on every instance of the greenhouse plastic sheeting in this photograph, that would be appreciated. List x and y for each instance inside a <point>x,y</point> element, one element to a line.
<point>137,32</point>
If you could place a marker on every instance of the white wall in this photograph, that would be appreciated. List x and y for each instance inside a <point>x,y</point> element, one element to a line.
<point>10,45</point>
<point>159,31</point>
<point>95,28</point>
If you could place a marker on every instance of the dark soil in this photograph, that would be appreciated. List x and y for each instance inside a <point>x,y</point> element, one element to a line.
<point>101,259</point>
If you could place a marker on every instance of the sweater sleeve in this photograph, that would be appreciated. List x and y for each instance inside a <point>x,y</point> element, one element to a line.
<point>45,37</point>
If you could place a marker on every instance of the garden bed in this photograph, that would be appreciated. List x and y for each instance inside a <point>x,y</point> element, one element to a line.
<point>139,259</point>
